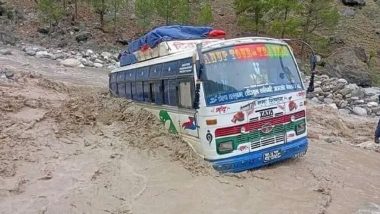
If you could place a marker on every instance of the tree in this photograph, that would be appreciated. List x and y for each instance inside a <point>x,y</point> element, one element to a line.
<point>317,15</point>
<point>101,8</point>
<point>144,10</point>
<point>284,17</point>
<point>205,14</point>
<point>173,11</point>
<point>50,11</point>
<point>251,11</point>
<point>115,6</point>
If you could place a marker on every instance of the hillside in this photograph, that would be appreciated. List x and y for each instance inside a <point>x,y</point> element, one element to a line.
<point>352,51</point>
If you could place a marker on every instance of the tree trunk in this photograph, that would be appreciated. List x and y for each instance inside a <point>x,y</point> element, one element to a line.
<point>102,12</point>
<point>306,27</point>
<point>114,16</point>
<point>76,9</point>
<point>284,22</point>
<point>257,19</point>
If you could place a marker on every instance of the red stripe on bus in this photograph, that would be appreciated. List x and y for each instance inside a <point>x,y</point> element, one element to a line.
<point>258,124</point>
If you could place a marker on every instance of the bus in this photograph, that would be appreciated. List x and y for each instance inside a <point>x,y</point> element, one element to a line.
<point>238,103</point>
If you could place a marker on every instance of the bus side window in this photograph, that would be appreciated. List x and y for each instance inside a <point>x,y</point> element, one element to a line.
<point>185,94</point>
<point>158,92</point>
<point>139,91</point>
<point>128,90</point>
<point>170,90</point>
<point>134,91</point>
<point>146,93</point>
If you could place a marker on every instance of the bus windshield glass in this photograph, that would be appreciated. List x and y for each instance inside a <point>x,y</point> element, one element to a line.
<point>250,71</point>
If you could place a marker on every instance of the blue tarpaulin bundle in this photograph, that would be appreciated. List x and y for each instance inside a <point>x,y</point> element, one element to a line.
<point>167,33</point>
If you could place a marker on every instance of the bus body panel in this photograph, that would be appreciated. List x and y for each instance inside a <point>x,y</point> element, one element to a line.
<point>260,131</point>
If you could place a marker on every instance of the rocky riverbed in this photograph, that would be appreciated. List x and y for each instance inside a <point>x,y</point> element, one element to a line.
<point>67,146</point>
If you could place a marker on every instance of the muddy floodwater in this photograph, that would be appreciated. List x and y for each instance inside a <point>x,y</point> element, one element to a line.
<point>66,146</point>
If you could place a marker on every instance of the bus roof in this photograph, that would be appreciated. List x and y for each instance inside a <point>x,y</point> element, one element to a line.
<point>188,52</point>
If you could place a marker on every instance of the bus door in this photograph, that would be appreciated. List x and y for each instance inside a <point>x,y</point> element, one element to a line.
<point>187,115</point>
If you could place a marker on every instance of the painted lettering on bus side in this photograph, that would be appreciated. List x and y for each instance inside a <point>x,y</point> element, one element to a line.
<point>251,92</point>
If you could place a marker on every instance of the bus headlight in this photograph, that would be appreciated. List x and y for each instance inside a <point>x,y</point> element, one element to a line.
<point>225,147</point>
<point>300,128</point>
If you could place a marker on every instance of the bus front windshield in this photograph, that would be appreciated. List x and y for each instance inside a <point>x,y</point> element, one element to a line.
<point>251,71</point>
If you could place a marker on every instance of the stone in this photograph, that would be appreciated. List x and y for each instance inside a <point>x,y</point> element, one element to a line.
<point>106,55</point>
<point>359,102</point>
<point>318,90</point>
<point>89,53</point>
<point>328,100</point>
<point>59,56</point>
<point>98,65</point>
<point>9,74</point>
<point>122,41</point>
<point>374,98</point>
<point>349,63</point>
<point>343,104</point>
<point>333,105</point>
<point>343,81</point>
<point>71,62</point>
<point>31,51</point>
<point>338,96</point>
<point>344,111</point>
<point>43,30</point>
<point>348,12</point>
<point>372,104</point>
<point>44,54</point>
<point>5,52</point>
<point>316,100</point>
<point>371,91</point>
<point>354,2</point>
<point>99,61</point>
<point>83,36</point>
<point>7,38</point>
<point>359,111</point>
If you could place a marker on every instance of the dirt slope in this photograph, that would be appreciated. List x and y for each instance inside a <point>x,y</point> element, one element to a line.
<point>67,147</point>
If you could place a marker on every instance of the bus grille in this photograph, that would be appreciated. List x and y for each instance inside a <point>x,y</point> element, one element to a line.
<point>268,141</point>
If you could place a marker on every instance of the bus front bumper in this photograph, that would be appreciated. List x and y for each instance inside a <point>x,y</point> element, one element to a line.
<point>255,159</point>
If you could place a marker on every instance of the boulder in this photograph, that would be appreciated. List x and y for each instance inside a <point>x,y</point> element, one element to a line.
<point>43,30</point>
<point>333,105</point>
<point>354,2</point>
<point>71,62</point>
<point>99,61</point>
<point>5,52</point>
<point>372,104</point>
<point>371,91</point>
<point>44,54</point>
<point>106,55</point>
<point>8,38</point>
<point>344,111</point>
<point>98,65</point>
<point>350,64</point>
<point>83,36</point>
<point>89,53</point>
<point>348,12</point>
<point>31,51</point>
<point>359,111</point>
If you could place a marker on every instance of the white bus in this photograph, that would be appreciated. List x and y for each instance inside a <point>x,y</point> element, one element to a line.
<point>239,103</point>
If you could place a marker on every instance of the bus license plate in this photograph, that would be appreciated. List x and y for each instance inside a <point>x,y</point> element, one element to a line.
<point>273,155</point>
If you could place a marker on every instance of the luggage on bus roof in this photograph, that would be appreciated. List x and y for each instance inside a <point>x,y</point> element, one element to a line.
<point>167,33</point>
